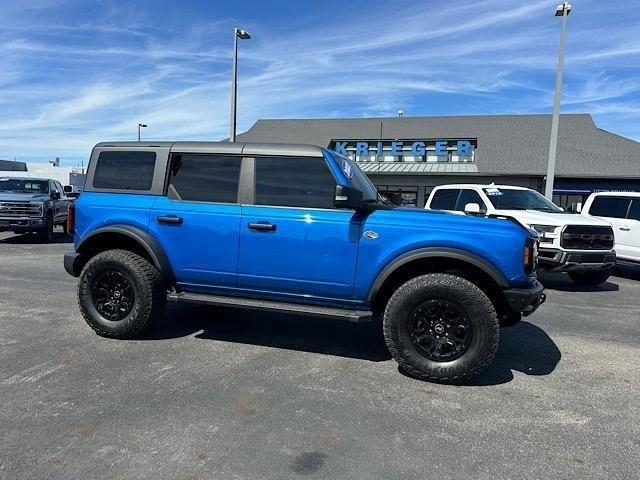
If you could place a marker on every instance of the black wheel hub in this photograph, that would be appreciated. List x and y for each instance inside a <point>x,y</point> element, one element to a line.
<point>113,295</point>
<point>440,330</point>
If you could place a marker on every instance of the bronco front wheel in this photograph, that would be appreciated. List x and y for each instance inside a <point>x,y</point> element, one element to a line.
<point>120,294</point>
<point>441,328</point>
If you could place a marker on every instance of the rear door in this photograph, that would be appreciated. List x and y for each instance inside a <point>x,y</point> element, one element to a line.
<point>292,240</point>
<point>614,210</point>
<point>198,219</point>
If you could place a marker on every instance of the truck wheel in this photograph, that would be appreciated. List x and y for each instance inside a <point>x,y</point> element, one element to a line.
<point>595,277</point>
<point>441,328</point>
<point>46,235</point>
<point>120,294</point>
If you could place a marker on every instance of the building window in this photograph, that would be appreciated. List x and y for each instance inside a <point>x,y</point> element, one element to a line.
<point>406,196</point>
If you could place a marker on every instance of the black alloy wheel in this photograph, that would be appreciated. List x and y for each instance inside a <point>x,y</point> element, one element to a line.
<point>113,295</point>
<point>440,330</point>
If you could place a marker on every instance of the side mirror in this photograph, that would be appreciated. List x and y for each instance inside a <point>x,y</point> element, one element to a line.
<point>67,189</point>
<point>472,208</point>
<point>347,197</point>
<point>55,195</point>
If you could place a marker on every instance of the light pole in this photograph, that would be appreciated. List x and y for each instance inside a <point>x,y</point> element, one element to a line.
<point>141,125</point>
<point>238,33</point>
<point>562,10</point>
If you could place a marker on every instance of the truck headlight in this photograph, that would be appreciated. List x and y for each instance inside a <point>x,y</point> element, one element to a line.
<point>546,232</point>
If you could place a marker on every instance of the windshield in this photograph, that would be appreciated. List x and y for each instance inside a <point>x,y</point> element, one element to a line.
<point>358,179</point>
<point>510,199</point>
<point>23,185</point>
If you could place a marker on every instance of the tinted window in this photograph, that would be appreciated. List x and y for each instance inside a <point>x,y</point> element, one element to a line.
<point>205,178</point>
<point>125,170</point>
<point>445,199</point>
<point>634,211</point>
<point>469,196</point>
<point>294,181</point>
<point>516,199</point>
<point>609,207</point>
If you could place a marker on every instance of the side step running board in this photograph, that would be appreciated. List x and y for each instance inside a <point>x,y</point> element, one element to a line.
<point>357,316</point>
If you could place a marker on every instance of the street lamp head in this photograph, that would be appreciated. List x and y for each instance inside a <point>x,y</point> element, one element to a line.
<point>242,34</point>
<point>562,7</point>
<point>143,125</point>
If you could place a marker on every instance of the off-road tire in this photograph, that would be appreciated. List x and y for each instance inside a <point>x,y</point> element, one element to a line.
<point>149,293</point>
<point>593,278</point>
<point>469,298</point>
<point>46,235</point>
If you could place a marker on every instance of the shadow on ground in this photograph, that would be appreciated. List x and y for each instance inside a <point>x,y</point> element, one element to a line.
<point>562,282</point>
<point>292,332</point>
<point>29,239</point>
<point>525,347</point>
<point>632,272</point>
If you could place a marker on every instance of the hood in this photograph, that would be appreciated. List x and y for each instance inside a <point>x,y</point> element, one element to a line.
<point>535,217</point>
<point>23,197</point>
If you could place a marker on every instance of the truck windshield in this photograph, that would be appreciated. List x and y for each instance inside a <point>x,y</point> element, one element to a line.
<point>23,185</point>
<point>510,199</point>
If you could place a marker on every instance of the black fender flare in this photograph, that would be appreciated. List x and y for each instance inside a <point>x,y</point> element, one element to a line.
<point>439,252</point>
<point>144,239</point>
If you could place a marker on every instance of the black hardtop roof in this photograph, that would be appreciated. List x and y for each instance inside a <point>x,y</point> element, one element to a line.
<point>232,148</point>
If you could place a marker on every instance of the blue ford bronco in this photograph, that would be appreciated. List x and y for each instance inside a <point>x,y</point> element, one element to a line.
<point>294,228</point>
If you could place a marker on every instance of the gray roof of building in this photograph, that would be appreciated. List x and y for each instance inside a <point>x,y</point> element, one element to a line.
<point>11,166</point>
<point>507,144</point>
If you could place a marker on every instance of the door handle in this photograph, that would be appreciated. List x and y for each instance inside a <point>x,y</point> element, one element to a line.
<point>169,219</point>
<point>625,228</point>
<point>262,227</point>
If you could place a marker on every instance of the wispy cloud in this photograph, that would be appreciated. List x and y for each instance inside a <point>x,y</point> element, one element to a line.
<point>74,75</point>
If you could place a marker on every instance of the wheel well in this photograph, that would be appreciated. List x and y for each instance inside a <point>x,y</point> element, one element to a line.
<point>422,266</point>
<point>111,241</point>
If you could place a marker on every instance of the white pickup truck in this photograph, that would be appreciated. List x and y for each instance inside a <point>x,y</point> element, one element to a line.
<point>580,245</point>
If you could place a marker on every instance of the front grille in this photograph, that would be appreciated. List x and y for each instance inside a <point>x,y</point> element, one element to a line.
<point>20,209</point>
<point>587,237</point>
<point>591,258</point>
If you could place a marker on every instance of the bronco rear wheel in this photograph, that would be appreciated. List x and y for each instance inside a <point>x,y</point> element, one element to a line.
<point>120,294</point>
<point>441,328</point>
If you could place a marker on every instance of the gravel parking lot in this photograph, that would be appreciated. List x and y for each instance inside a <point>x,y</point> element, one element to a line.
<point>213,393</point>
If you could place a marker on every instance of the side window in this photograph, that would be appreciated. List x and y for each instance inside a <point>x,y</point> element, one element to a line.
<point>124,170</point>
<point>634,211</point>
<point>294,182</point>
<point>445,199</point>
<point>612,207</point>
<point>204,178</point>
<point>469,196</point>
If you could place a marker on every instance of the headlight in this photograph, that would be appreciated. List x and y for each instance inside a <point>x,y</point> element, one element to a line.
<point>546,232</point>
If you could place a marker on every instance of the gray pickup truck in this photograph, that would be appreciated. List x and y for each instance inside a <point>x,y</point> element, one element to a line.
<point>32,205</point>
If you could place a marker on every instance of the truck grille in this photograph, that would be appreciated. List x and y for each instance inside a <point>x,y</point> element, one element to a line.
<point>587,237</point>
<point>20,209</point>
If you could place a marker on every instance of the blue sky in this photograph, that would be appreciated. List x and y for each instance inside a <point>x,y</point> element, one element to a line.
<point>75,72</point>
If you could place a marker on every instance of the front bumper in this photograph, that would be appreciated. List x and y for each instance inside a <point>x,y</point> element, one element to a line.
<point>21,224</point>
<point>525,300</point>
<point>553,260</point>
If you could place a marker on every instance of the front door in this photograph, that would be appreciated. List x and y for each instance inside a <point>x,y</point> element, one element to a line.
<point>197,222</point>
<point>292,240</point>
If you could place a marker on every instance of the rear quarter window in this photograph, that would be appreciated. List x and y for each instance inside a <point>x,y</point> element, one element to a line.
<point>124,170</point>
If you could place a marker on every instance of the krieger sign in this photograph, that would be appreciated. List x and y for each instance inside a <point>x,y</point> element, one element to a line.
<point>463,148</point>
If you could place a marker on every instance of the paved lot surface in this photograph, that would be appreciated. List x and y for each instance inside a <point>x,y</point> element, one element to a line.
<point>218,394</point>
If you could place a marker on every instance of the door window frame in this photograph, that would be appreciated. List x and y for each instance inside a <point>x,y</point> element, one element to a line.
<point>248,182</point>
<point>239,188</point>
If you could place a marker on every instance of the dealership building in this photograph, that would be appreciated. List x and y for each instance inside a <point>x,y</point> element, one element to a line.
<point>411,155</point>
